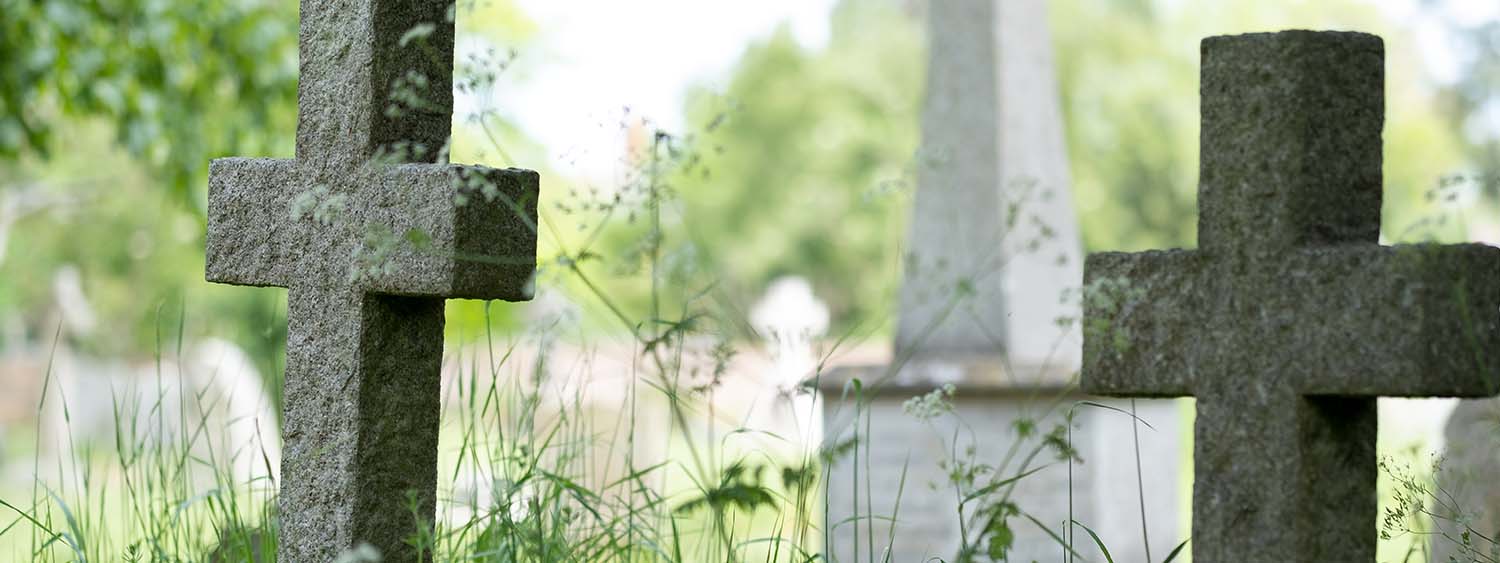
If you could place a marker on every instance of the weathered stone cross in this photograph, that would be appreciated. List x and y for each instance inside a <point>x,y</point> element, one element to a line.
<point>365,305</point>
<point>1291,319</point>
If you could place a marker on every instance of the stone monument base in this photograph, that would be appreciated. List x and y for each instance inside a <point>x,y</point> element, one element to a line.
<point>992,400</point>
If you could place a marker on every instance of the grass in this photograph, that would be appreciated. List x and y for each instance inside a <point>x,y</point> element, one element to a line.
<point>532,470</point>
<point>163,485</point>
<point>557,487</point>
<point>530,474</point>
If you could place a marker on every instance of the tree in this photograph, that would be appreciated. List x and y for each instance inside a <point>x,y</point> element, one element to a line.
<point>800,166</point>
<point>110,111</point>
<point>1474,102</point>
<point>178,82</point>
<point>803,163</point>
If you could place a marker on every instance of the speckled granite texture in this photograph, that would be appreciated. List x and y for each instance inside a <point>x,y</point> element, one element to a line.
<point>367,272</point>
<point>1290,319</point>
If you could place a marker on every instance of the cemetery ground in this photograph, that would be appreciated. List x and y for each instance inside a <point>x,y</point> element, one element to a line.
<point>532,475</point>
<point>656,402</point>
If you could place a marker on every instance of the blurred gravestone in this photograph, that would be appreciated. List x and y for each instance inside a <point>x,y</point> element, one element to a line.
<point>1290,319</point>
<point>993,246</point>
<point>368,246</point>
<point>1467,497</point>
<point>789,317</point>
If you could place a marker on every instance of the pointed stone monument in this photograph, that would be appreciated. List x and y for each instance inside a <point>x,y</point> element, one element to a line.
<point>992,248</point>
<point>368,242</point>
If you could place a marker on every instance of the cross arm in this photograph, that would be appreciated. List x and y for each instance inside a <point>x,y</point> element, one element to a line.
<point>251,240</point>
<point>1420,320</point>
<point>1412,320</point>
<point>431,230</point>
<point>1143,322</point>
<point>466,231</point>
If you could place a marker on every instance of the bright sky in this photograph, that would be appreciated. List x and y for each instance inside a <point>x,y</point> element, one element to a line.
<point>1431,28</point>
<point>599,56</point>
<point>596,57</point>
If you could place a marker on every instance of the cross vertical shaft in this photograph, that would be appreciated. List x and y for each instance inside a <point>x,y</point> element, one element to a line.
<point>1292,129</point>
<point>352,61</point>
<point>361,412</point>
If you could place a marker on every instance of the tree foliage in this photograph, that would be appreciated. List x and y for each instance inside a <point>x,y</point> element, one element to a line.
<point>808,167</point>
<point>1474,100</point>
<point>178,82</point>
<point>110,111</point>
<point>800,165</point>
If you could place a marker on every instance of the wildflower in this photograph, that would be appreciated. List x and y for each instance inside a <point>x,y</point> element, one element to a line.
<point>935,403</point>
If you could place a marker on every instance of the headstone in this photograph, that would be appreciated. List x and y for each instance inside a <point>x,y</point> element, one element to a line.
<point>1290,319</point>
<point>210,400</point>
<point>993,218</point>
<point>368,244</point>
<point>1466,504</point>
<point>73,305</point>
<point>223,372</point>
<point>993,246</point>
<point>790,318</point>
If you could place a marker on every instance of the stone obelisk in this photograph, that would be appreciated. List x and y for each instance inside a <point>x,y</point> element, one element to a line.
<point>993,239</point>
<point>992,248</point>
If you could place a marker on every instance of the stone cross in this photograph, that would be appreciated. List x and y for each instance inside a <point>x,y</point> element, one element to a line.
<point>1290,319</point>
<point>368,243</point>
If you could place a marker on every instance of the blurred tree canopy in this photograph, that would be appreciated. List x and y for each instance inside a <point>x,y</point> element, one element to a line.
<point>803,163</point>
<point>178,82</point>
<point>808,172</point>
<point>110,111</point>
<point>1474,101</point>
<point>136,249</point>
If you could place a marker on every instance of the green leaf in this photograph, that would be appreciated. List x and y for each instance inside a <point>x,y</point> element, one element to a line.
<point>1097,541</point>
<point>987,489</point>
<point>999,536</point>
<point>419,238</point>
<point>1175,551</point>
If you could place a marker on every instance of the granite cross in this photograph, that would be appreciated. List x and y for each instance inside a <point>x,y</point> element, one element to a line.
<point>1290,319</point>
<point>369,242</point>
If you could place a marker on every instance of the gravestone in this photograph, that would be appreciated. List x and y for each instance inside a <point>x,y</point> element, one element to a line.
<point>368,243</point>
<point>992,247</point>
<point>1467,498</point>
<point>1290,319</point>
<point>790,318</point>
